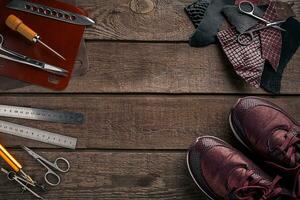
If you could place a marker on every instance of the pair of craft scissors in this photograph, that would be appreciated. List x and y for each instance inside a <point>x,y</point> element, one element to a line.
<point>49,166</point>
<point>248,8</point>
<point>16,57</point>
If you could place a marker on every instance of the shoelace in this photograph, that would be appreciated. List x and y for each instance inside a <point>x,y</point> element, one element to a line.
<point>253,190</point>
<point>288,150</point>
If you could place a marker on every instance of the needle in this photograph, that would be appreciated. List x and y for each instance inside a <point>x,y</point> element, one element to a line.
<point>16,24</point>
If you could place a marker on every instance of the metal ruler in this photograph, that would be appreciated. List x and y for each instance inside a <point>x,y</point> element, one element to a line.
<point>37,135</point>
<point>41,114</point>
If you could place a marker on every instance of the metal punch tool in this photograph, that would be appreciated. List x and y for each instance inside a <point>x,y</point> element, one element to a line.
<point>49,166</point>
<point>24,183</point>
<point>19,58</point>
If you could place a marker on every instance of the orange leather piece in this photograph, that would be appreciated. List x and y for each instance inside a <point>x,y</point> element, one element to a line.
<point>63,37</point>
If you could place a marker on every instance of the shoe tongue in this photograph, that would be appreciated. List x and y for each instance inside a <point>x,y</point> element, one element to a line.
<point>278,138</point>
<point>239,174</point>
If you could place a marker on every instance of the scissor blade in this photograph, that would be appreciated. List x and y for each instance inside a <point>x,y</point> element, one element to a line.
<point>55,70</point>
<point>30,152</point>
<point>34,63</point>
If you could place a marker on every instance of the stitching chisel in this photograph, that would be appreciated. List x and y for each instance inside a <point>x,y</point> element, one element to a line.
<point>17,24</point>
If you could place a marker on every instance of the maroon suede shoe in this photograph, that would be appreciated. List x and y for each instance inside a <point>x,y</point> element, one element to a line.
<point>270,132</point>
<point>223,173</point>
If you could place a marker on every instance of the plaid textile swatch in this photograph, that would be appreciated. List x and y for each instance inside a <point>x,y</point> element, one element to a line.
<point>271,39</point>
<point>247,60</point>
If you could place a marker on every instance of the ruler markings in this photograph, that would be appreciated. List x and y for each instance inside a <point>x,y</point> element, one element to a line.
<point>38,135</point>
<point>41,114</point>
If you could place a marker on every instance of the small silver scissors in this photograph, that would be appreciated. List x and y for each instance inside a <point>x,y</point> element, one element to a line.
<point>49,166</point>
<point>247,37</point>
<point>16,57</point>
<point>250,34</point>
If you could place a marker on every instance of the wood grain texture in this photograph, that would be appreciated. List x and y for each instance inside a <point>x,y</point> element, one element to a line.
<point>112,176</point>
<point>167,21</point>
<point>137,122</point>
<point>164,68</point>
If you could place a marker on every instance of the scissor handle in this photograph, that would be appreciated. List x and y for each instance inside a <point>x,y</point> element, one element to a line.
<point>53,174</point>
<point>1,40</point>
<point>60,159</point>
<point>245,38</point>
<point>246,3</point>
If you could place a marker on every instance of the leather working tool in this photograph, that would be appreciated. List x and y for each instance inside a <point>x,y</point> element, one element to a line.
<point>50,12</point>
<point>13,163</point>
<point>248,8</point>
<point>19,58</point>
<point>70,37</point>
<point>38,135</point>
<point>250,34</point>
<point>24,183</point>
<point>49,166</point>
<point>16,24</point>
<point>17,174</point>
<point>41,114</point>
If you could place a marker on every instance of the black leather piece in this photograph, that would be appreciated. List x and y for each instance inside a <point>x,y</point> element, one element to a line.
<point>242,22</point>
<point>209,26</point>
<point>271,80</point>
<point>196,11</point>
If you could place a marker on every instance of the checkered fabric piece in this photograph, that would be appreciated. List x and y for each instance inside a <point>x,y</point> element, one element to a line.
<point>271,40</point>
<point>246,60</point>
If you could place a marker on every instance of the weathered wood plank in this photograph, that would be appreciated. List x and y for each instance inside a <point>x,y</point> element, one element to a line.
<point>153,20</point>
<point>113,175</point>
<point>164,68</point>
<point>137,122</point>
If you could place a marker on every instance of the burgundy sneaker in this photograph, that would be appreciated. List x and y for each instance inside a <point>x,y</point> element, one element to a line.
<point>223,173</point>
<point>270,132</point>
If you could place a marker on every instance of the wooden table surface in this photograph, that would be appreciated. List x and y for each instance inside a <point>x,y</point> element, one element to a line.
<point>146,97</point>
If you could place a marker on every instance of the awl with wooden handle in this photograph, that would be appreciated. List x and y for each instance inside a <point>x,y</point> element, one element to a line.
<point>16,24</point>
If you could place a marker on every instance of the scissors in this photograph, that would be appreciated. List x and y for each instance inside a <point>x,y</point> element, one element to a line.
<point>49,166</point>
<point>19,58</point>
<point>250,34</point>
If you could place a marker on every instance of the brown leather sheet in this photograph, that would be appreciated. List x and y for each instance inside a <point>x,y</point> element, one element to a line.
<point>67,42</point>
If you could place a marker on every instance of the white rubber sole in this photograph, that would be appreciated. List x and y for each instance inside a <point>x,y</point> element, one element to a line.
<point>236,135</point>
<point>190,171</point>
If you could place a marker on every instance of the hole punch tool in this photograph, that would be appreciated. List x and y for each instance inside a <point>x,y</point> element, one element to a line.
<point>19,58</point>
<point>50,12</point>
<point>49,166</point>
<point>24,183</point>
<point>17,24</point>
<point>247,37</point>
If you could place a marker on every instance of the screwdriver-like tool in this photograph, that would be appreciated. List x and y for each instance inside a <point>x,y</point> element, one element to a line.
<point>16,24</point>
<point>14,164</point>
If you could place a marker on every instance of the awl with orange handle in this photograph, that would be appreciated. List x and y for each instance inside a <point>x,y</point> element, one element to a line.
<point>13,163</point>
<point>16,24</point>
